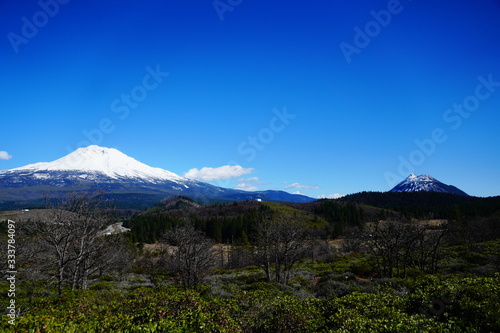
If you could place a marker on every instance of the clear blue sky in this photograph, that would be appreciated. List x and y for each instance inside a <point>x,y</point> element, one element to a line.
<point>320,97</point>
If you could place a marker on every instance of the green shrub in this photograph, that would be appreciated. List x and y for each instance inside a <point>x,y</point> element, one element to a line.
<point>363,266</point>
<point>468,303</point>
<point>361,312</point>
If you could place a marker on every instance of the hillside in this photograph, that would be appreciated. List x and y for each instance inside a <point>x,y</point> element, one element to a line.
<point>233,221</point>
<point>223,222</point>
<point>428,204</point>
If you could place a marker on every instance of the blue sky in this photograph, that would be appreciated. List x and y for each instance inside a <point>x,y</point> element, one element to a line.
<point>320,97</point>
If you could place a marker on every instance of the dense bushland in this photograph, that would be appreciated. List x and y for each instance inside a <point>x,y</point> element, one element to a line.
<point>430,304</point>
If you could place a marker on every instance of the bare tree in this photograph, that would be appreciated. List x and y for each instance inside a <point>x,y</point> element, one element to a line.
<point>193,257</point>
<point>263,251</point>
<point>281,242</point>
<point>398,245</point>
<point>240,254</point>
<point>426,248</point>
<point>32,255</point>
<point>73,235</point>
<point>154,263</point>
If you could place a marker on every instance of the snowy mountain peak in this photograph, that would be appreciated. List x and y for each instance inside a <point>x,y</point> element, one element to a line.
<point>107,161</point>
<point>422,178</point>
<point>425,183</point>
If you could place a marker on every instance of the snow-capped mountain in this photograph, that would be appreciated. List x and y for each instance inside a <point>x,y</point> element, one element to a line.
<point>425,183</point>
<point>100,161</point>
<point>123,178</point>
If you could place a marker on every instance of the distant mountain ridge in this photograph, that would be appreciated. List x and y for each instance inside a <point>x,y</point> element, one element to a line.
<point>425,183</point>
<point>121,177</point>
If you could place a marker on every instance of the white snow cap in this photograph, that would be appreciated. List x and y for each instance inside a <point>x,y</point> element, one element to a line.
<point>422,178</point>
<point>108,161</point>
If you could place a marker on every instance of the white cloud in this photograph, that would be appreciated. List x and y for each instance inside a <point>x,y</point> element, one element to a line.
<point>255,180</point>
<point>297,185</point>
<point>5,155</point>
<point>220,173</point>
<point>251,179</point>
<point>331,196</point>
<point>249,184</point>
<point>246,187</point>
<point>297,192</point>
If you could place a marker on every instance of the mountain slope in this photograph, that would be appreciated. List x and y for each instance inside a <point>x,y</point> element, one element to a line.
<point>125,180</point>
<point>425,183</point>
<point>223,222</point>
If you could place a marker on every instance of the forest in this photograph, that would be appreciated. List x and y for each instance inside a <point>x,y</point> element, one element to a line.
<point>370,262</point>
